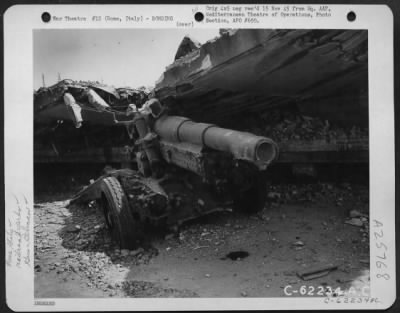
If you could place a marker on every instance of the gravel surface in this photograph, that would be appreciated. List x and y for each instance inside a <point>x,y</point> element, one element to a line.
<point>301,226</point>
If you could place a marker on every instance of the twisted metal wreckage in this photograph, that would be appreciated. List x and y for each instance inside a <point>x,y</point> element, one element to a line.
<point>222,159</point>
<point>185,169</point>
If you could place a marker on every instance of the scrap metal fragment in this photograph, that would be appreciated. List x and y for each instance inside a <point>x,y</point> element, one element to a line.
<point>316,272</point>
<point>96,100</point>
<point>69,100</point>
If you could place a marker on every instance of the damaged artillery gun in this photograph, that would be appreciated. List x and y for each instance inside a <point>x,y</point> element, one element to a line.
<point>183,169</point>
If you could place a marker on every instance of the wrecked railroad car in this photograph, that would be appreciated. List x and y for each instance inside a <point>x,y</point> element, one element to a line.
<point>325,72</point>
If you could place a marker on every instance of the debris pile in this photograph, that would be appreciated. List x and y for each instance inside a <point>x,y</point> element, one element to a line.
<point>287,125</point>
<point>88,94</point>
<point>85,229</point>
<point>87,249</point>
<point>46,220</point>
<point>132,257</point>
<point>358,219</point>
<point>91,265</point>
<point>67,104</point>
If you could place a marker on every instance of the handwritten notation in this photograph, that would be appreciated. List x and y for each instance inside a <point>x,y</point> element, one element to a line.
<point>18,234</point>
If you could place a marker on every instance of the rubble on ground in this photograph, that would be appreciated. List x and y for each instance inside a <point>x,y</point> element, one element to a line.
<point>77,235</point>
<point>350,198</point>
<point>143,289</point>
<point>361,220</point>
<point>351,195</point>
<point>87,245</point>
<point>347,197</point>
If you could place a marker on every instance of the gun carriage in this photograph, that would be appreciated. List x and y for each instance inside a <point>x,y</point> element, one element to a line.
<point>181,170</point>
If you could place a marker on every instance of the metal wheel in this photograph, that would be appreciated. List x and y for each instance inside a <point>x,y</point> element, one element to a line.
<point>107,212</point>
<point>119,219</point>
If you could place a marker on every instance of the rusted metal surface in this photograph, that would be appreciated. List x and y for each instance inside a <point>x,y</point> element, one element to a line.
<point>184,155</point>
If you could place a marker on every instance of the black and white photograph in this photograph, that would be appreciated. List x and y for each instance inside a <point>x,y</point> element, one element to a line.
<point>212,157</point>
<point>201,163</point>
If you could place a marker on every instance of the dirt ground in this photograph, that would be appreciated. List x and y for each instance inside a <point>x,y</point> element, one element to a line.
<point>301,227</point>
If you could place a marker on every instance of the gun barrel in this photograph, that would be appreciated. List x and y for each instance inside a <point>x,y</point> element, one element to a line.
<point>242,145</point>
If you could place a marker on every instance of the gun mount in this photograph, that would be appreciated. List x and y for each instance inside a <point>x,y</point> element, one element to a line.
<point>184,170</point>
